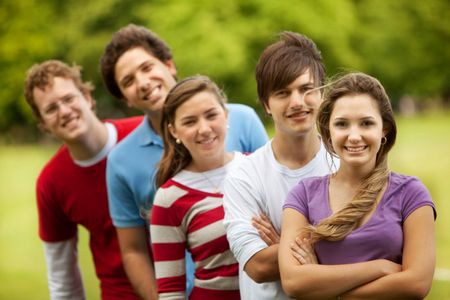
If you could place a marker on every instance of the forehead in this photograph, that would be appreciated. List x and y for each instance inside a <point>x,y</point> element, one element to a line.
<point>358,105</point>
<point>131,59</point>
<point>198,104</point>
<point>58,87</point>
<point>303,79</point>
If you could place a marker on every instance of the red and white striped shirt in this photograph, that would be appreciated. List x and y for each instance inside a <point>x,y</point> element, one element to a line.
<point>186,218</point>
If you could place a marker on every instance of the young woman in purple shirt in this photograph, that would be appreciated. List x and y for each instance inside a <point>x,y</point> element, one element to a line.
<point>364,231</point>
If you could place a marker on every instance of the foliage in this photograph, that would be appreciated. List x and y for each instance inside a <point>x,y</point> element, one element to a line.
<point>404,43</point>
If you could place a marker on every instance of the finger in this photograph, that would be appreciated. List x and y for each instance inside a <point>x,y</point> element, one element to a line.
<point>298,257</point>
<point>298,249</point>
<point>265,223</point>
<point>308,250</point>
<point>265,218</point>
<point>307,246</point>
<point>265,238</point>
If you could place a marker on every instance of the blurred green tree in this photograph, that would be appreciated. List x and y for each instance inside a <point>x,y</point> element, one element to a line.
<point>405,43</point>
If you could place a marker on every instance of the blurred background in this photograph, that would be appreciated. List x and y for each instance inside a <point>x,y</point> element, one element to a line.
<point>404,43</point>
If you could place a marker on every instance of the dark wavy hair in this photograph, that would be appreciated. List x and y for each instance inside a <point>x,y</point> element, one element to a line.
<point>129,37</point>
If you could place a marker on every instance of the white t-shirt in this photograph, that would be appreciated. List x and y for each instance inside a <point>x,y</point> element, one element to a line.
<point>261,184</point>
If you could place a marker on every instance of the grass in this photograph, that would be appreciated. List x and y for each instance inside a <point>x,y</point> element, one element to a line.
<point>22,265</point>
<point>421,150</point>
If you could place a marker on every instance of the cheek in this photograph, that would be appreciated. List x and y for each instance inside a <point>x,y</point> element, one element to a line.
<point>127,92</point>
<point>336,139</point>
<point>313,101</point>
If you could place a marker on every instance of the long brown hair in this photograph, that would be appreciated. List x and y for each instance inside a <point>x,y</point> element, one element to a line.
<point>176,157</point>
<point>339,225</point>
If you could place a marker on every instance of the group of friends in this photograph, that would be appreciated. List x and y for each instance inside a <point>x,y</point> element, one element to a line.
<point>192,200</point>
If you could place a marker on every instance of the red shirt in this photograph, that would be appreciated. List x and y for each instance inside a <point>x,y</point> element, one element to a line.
<point>69,195</point>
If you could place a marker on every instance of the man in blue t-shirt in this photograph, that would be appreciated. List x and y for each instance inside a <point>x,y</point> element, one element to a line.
<point>137,66</point>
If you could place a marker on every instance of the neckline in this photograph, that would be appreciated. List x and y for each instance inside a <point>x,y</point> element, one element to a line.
<point>110,143</point>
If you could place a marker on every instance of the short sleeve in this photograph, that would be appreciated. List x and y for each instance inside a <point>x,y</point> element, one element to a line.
<point>297,199</point>
<point>415,195</point>
<point>54,226</point>
<point>122,206</point>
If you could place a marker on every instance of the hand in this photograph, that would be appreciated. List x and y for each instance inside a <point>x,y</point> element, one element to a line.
<point>390,267</point>
<point>303,251</point>
<point>266,230</point>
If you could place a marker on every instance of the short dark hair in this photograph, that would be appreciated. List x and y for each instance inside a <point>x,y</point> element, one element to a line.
<point>129,37</point>
<point>285,60</point>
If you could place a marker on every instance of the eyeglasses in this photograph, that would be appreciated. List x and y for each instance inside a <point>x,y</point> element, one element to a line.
<point>51,111</point>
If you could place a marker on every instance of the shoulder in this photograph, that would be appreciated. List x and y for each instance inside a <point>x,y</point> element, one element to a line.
<point>401,181</point>
<point>126,125</point>
<point>255,159</point>
<point>168,194</point>
<point>312,184</point>
<point>315,181</point>
<point>130,122</point>
<point>247,169</point>
<point>127,144</point>
<point>59,161</point>
<point>410,192</point>
<point>238,108</point>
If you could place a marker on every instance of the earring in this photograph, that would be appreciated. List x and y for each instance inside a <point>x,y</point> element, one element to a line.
<point>178,141</point>
<point>383,140</point>
<point>228,126</point>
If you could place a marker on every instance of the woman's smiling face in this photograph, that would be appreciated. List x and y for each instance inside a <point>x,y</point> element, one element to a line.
<point>356,130</point>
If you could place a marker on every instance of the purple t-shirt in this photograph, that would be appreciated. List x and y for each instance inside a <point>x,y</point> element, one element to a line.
<point>380,237</point>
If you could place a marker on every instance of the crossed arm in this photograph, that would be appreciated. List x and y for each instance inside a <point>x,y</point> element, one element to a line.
<point>242,202</point>
<point>376,279</point>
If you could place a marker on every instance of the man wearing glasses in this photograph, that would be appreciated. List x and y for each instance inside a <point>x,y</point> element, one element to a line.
<point>71,189</point>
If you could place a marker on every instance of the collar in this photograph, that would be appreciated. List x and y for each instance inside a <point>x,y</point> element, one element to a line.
<point>110,143</point>
<point>147,135</point>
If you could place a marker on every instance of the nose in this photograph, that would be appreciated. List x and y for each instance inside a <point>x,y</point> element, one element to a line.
<point>204,127</point>
<point>64,108</point>
<point>297,99</point>
<point>354,136</point>
<point>143,81</point>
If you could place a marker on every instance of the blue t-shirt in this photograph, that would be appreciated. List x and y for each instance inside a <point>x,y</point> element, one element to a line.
<point>380,237</point>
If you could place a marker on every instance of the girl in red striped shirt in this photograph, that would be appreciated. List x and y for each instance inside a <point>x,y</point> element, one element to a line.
<point>188,211</point>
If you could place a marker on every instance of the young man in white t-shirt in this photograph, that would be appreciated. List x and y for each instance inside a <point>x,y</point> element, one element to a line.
<point>287,74</point>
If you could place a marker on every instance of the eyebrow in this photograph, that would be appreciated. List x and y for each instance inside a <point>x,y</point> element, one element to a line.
<point>346,118</point>
<point>205,112</point>
<point>128,76</point>
<point>124,79</point>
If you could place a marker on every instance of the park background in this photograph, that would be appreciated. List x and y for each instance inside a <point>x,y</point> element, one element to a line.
<point>404,43</point>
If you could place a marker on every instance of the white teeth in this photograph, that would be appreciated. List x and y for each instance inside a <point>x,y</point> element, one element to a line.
<point>208,141</point>
<point>154,91</point>
<point>68,122</point>
<point>355,149</point>
<point>297,114</point>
